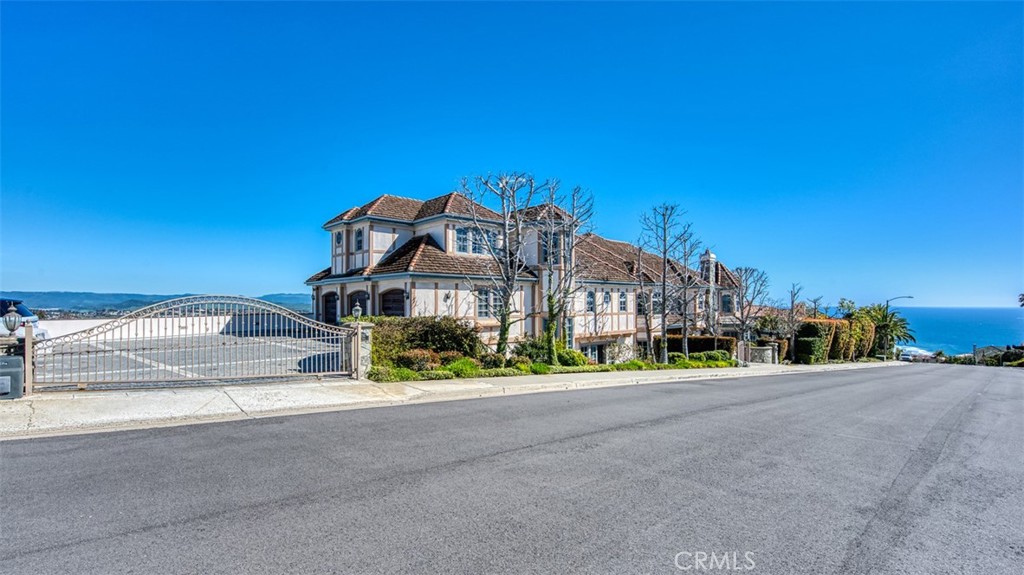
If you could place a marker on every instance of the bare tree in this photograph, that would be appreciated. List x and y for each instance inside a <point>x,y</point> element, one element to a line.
<point>815,303</point>
<point>504,237</point>
<point>791,320</point>
<point>689,248</point>
<point>662,235</point>
<point>751,296</point>
<point>563,219</point>
<point>644,300</point>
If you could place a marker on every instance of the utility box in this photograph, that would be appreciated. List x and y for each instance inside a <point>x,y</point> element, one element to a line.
<point>12,376</point>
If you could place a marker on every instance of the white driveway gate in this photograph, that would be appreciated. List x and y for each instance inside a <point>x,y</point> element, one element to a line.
<point>202,339</point>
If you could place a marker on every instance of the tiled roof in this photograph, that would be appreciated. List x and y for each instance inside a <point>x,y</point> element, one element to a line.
<point>410,210</point>
<point>423,255</point>
<point>609,260</point>
<point>725,276</point>
<point>457,204</point>
<point>386,206</point>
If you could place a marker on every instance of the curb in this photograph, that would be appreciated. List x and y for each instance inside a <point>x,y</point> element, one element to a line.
<point>399,394</point>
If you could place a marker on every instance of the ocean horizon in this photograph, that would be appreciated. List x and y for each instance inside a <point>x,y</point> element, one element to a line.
<point>956,330</point>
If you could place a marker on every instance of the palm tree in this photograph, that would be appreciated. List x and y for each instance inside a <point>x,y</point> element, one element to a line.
<point>890,327</point>
<point>1021,299</point>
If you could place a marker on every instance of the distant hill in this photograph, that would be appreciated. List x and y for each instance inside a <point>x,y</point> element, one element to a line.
<point>90,301</point>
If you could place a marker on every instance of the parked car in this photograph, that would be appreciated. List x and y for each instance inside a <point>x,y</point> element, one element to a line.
<point>26,317</point>
<point>906,356</point>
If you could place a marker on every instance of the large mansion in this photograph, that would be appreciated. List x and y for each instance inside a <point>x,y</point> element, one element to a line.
<point>405,257</point>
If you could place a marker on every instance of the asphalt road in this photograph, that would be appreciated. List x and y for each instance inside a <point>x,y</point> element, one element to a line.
<point>912,470</point>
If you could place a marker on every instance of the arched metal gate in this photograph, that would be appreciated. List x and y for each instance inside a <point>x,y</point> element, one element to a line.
<point>194,339</point>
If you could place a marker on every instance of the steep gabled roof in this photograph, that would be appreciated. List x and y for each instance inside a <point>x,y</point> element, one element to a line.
<point>423,255</point>
<point>386,206</point>
<point>611,260</point>
<point>411,210</point>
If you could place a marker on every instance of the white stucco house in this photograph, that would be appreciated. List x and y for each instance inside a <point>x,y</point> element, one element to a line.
<point>406,257</point>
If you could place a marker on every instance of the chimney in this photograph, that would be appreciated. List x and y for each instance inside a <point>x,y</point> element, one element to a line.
<point>707,267</point>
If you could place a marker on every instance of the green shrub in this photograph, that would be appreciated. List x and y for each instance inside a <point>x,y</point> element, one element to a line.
<point>393,335</point>
<point>1018,363</point>
<point>822,329</point>
<point>810,350</point>
<point>571,357</point>
<point>447,357</point>
<point>519,359</point>
<point>437,374</point>
<point>540,368</point>
<point>418,360</point>
<point>710,343</point>
<point>499,372</point>
<point>384,374</point>
<point>720,355</point>
<point>676,357</point>
<point>582,368</point>
<point>631,365</point>
<point>492,360</point>
<point>532,348</point>
<point>465,367</point>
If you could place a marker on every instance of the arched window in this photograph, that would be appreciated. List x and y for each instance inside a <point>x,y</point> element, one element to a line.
<point>622,301</point>
<point>359,240</point>
<point>590,301</point>
<point>338,238</point>
<point>726,303</point>
<point>607,298</point>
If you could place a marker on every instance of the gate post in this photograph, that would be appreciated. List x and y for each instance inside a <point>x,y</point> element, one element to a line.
<point>362,343</point>
<point>29,356</point>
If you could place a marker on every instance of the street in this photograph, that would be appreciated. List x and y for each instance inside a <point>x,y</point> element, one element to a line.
<point>911,470</point>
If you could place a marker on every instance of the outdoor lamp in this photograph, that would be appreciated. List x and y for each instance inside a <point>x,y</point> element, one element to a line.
<point>12,320</point>
<point>357,312</point>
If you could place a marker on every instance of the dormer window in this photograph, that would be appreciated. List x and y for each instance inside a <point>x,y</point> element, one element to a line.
<point>338,238</point>
<point>463,245</point>
<point>478,242</point>
<point>359,240</point>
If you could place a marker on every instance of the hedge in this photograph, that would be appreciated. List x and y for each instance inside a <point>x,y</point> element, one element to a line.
<point>394,335</point>
<point>499,372</point>
<point>811,350</point>
<point>582,368</point>
<point>697,343</point>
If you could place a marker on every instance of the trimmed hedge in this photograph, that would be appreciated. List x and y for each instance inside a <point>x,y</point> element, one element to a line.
<point>394,335</point>
<point>384,374</point>
<point>696,343</point>
<point>499,372</point>
<point>437,374</point>
<point>540,368</point>
<point>811,350</point>
<point>582,368</point>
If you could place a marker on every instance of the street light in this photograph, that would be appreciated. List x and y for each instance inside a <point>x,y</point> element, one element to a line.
<point>357,311</point>
<point>888,327</point>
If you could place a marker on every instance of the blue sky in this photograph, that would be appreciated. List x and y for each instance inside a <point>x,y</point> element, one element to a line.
<point>865,150</point>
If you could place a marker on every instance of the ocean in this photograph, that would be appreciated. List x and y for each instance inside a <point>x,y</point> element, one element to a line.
<point>955,330</point>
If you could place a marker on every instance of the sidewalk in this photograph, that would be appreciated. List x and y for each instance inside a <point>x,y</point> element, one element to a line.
<point>58,413</point>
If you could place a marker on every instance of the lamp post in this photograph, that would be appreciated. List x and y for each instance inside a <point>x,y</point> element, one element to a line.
<point>888,327</point>
<point>12,320</point>
<point>357,312</point>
